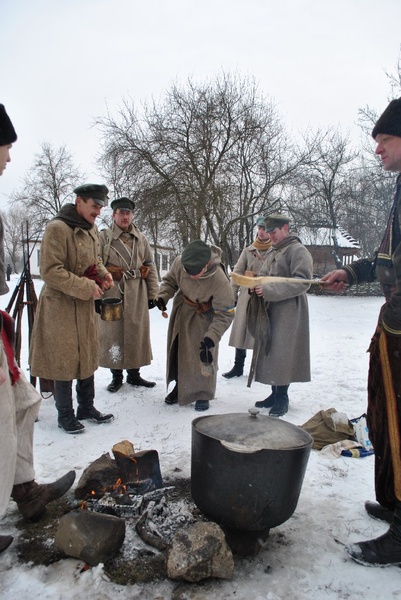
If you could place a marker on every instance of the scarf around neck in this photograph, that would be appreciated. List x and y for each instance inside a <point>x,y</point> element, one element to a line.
<point>69,215</point>
<point>259,245</point>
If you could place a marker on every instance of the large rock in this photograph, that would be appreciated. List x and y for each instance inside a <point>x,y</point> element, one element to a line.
<point>198,552</point>
<point>97,477</point>
<point>89,536</point>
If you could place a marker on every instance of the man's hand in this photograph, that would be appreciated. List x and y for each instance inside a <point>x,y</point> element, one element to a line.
<point>108,282</point>
<point>258,290</point>
<point>161,305</point>
<point>97,292</point>
<point>151,304</point>
<point>336,280</point>
<point>205,355</point>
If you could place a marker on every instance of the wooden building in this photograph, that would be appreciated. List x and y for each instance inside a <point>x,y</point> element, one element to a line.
<point>330,248</point>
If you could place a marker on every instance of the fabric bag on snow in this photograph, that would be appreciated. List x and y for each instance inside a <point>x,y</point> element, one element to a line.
<point>328,427</point>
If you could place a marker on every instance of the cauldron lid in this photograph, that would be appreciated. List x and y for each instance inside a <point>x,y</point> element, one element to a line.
<point>245,433</point>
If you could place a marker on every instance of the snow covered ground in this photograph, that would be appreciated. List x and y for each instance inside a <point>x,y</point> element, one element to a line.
<point>304,558</point>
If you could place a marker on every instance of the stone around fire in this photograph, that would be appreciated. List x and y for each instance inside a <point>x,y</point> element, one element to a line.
<point>198,552</point>
<point>88,536</point>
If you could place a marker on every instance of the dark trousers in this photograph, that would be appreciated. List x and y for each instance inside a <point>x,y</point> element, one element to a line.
<point>378,418</point>
<point>85,391</point>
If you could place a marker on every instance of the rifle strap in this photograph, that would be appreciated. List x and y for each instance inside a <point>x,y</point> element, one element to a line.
<point>7,337</point>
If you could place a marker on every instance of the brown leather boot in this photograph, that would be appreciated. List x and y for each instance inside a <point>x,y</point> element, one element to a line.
<point>32,497</point>
<point>5,541</point>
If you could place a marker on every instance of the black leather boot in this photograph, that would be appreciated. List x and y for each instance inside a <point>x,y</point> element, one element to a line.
<point>377,511</point>
<point>66,416</point>
<point>85,395</point>
<point>116,381</point>
<point>172,397</point>
<point>269,401</point>
<point>5,541</point>
<point>134,378</point>
<point>32,497</point>
<point>238,368</point>
<point>281,402</point>
<point>382,551</point>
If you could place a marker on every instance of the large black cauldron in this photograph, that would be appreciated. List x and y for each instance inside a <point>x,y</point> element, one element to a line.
<point>247,470</point>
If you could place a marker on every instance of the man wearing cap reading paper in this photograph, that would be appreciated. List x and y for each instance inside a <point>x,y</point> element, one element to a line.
<point>286,356</point>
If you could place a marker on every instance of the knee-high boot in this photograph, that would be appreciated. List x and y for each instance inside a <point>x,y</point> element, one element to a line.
<point>281,402</point>
<point>117,380</point>
<point>134,378</point>
<point>239,361</point>
<point>66,415</point>
<point>85,395</point>
<point>269,401</point>
<point>381,551</point>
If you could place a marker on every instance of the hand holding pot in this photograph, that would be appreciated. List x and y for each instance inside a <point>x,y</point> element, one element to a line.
<point>205,355</point>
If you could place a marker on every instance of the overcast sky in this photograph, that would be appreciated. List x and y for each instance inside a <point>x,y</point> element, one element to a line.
<point>65,63</point>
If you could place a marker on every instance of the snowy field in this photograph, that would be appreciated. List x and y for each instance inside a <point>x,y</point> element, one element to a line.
<point>304,558</point>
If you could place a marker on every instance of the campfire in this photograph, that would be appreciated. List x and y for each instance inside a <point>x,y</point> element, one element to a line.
<point>131,487</point>
<point>139,527</point>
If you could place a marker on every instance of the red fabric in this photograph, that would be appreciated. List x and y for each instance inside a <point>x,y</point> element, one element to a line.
<point>7,336</point>
<point>91,273</point>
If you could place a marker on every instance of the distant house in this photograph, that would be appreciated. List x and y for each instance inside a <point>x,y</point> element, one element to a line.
<point>163,256</point>
<point>327,245</point>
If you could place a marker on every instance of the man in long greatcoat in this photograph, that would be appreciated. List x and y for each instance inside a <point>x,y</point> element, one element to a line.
<point>285,356</point>
<point>64,343</point>
<point>249,263</point>
<point>127,255</point>
<point>384,380</point>
<point>203,309</point>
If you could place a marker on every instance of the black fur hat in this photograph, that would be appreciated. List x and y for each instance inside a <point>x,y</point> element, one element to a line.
<point>390,121</point>
<point>7,131</point>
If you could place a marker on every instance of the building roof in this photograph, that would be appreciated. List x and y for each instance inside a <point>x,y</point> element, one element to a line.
<point>323,236</point>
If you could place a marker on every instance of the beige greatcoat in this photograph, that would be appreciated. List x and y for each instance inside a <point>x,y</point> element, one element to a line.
<point>64,343</point>
<point>287,308</point>
<point>189,328</point>
<point>125,344</point>
<point>250,260</point>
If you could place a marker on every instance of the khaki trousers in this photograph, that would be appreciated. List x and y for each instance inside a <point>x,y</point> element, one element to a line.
<point>19,407</point>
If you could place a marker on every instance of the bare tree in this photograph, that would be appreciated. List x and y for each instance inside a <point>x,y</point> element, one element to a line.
<point>13,236</point>
<point>48,185</point>
<point>202,163</point>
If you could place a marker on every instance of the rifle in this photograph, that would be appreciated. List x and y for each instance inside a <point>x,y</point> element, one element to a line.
<point>24,289</point>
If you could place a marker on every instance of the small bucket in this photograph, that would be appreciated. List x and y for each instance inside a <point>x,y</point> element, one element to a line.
<point>112,309</point>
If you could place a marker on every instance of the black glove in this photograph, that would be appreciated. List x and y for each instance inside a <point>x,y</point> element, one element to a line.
<point>98,306</point>
<point>205,355</point>
<point>151,304</point>
<point>161,305</point>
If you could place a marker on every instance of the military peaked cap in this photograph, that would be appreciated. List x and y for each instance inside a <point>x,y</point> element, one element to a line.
<point>195,257</point>
<point>123,203</point>
<point>97,192</point>
<point>276,220</point>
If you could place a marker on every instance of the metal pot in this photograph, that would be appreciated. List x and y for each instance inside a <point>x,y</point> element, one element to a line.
<point>111,309</point>
<point>247,470</point>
